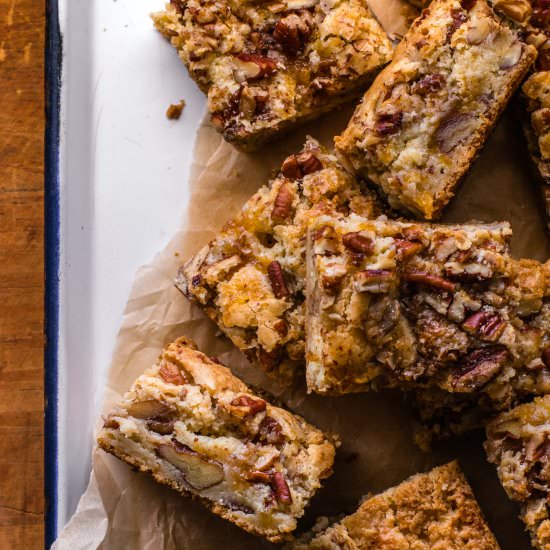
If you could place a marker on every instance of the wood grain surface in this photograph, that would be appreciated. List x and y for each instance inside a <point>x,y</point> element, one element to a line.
<point>22,30</point>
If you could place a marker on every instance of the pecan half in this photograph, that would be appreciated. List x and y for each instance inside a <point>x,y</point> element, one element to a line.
<point>253,405</point>
<point>486,324</point>
<point>283,203</point>
<point>356,242</point>
<point>297,166</point>
<point>388,123</point>
<point>478,367</point>
<point>517,10</point>
<point>427,279</point>
<point>280,488</point>
<point>376,281</point>
<point>171,374</point>
<point>292,32</point>
<point>277,279</point>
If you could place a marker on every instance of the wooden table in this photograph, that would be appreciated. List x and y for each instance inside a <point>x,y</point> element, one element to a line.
<point>22,25</point>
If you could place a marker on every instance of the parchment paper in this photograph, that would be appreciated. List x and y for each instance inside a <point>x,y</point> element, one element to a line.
<point>122,509</point>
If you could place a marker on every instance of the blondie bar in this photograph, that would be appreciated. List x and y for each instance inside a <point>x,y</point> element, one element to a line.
<point>518,442</point>
<point>266,66</point>
<point>251,278</point>
<point>432,510</point>
<point>197,428</point>
<point>425,118</point>
<point>391,303</point>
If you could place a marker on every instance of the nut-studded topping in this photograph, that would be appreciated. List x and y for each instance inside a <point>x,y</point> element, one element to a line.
<point>292,32</point>
<point>358,243</point>
<point>546,356</point>
<point>406,249</point>
<point>376,281</point>
<point>388,123</point>
<point>478,367</point>
<point>283,203</point>
<point>428,279</point>
<point>277,279</point>
<point>486,324</point>
<point>249,66</point>
<point>454,129</point>
<point>280,488</point>
<point>297,166</point>
<point>252,404</point>
<point>171,374</point>
<point>150,408</point>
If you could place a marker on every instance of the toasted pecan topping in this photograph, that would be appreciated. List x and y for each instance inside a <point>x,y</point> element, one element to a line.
<point>406,249</point>
<point>277,279</point>
<point>485,323</point>
<point>358,243</point>
<point>478,367</point>
<point>428,279</point>
<point>280,488</point>
<point>171,374</point>
<point>254,405</point>
<point>283,203</point>
<point>297,166</point>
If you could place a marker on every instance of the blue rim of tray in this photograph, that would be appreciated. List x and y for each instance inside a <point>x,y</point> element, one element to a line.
<point>53,57</point>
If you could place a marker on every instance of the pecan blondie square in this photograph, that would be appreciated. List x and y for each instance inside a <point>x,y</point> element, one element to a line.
<point>194,426</point>
<point>266,66</point>
<point>392,303</point>
<point>423,121</point>
<point>518,442</point>
<point>432,510</point>
<point>251,278</point>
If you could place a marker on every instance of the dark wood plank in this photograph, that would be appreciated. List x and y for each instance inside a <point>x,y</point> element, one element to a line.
<point>21,273</point>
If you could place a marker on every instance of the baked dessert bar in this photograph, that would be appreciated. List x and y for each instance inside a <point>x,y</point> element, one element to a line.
<point>518,442</point>
<point>392,303</point>
<point>194,426</point>
<point>423,121</point>
<point>251,278</point>
<point>432,510</point>
<point>266,66</point>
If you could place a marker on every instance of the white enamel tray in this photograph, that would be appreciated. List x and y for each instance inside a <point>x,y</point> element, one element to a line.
<point>122,181</point>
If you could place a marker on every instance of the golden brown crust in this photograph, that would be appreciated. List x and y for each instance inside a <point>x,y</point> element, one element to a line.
<point>432,510</point>
<point>423,121</point>
<point>268,66</point>
<point>195,427</point>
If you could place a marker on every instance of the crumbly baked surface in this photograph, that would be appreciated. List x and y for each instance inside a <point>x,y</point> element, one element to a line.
<point>518,442</point>
<point>425,118</point>
<point>251,278</point>
<point>266,66</point>
<point>435,510</point>
<point>197,428</point>
<point>414,305</point>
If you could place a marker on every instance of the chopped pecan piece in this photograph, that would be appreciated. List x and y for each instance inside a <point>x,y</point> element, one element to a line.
<point>270,431</point>
<point>388,123</point>
<point>280,488</point>
<point>297,166</point>
<point>454,129</point>
<point>171,374</point>
<point>292,32</point>
<point>283,203</point>
<point>358,243</point>
<point>252,66</point>
<point>163,427</point>
<point>376,281</point>
<point>281,327</point>
<point>428,84</point>
<point>278,283</point>
<point>485,323</point>
<point>428,279</point>
<point>517,10</point>
<point>546,356</point>
<point>478,367</point>
<point>148,409</point>
<point>259,477</point>
<point>253,405</point>
<point>405,249</point>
